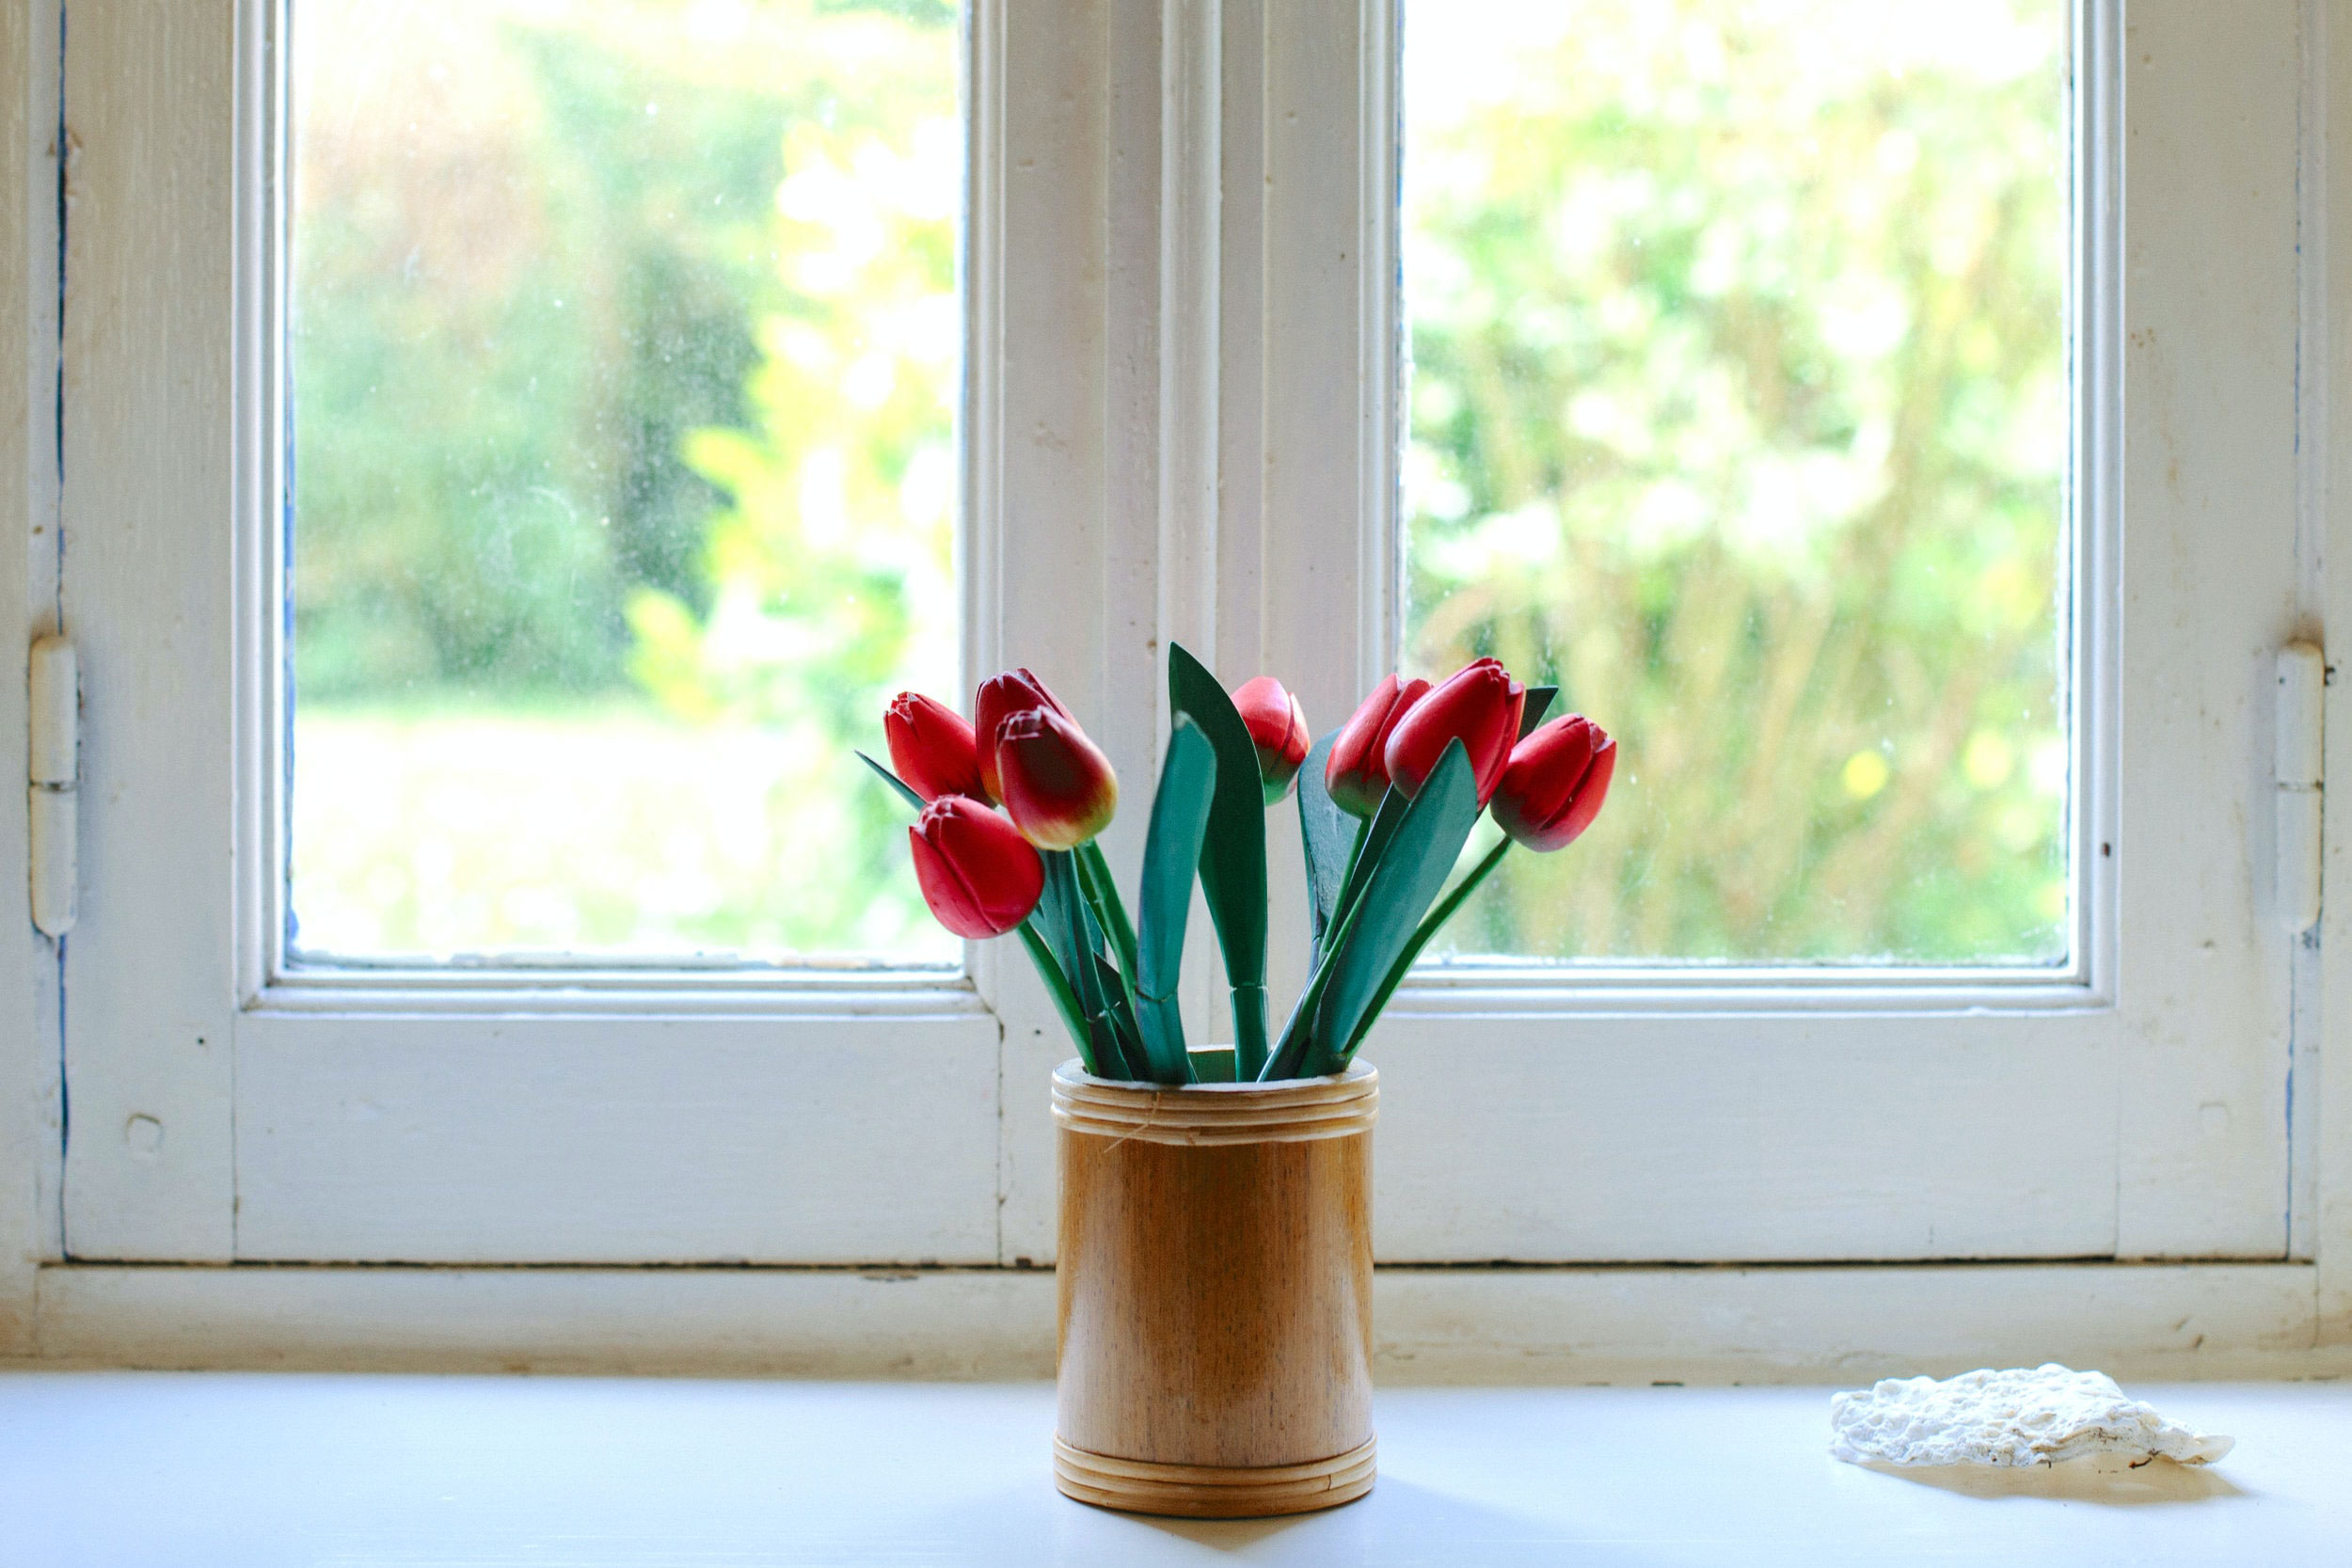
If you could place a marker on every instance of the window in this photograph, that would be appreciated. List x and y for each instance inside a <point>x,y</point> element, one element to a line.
<point>2015,988</point>
<point>622,352</point>
<point>1738,405</point>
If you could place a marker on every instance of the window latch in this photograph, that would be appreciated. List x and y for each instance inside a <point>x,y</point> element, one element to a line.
<point>2302,693</point>
<point>54,693</point>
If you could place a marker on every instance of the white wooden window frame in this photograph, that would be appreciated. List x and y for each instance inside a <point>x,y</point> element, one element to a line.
<point>2130,1104</point>
<point>1180,400</point>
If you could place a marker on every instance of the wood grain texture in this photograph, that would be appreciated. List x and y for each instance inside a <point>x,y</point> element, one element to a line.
<point>1203,1114</point>
<point>1215,1299</point>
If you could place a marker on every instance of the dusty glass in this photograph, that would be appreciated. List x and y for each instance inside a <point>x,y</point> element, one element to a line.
<point>1738,407</point>
<point>623,352</point>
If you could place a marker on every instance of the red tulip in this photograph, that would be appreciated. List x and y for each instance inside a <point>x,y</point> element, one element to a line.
<point>931,748</point>
<point>1000,698</point>
<point>1556,781</point>
<point>1358,773</point>
<point>980,875</point>
<point>1278,728</point>
<point>1059,786</point>
<point>1478,705</point>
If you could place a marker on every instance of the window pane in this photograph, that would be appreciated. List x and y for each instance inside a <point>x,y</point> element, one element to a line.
<point>625,348</point>
<point>1739,408</point>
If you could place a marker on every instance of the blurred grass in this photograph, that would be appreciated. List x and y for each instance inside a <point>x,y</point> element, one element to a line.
<point>433,829</point>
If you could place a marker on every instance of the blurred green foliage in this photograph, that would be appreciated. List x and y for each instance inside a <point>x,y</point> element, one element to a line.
<point>625,344</point>
<point>1738,408</point>
<point>625,350</point>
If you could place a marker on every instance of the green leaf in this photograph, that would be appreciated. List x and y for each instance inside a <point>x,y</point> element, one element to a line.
<point>1161,1022</point>
<point>1329,836</point>
<point>1105,994</point>
<point>1062,912</point>
<point>1058,986</point>
<point>1370,845</point>
<point>1118,1011</point>
<point>1110,915</point>
<point>1289,1055</point>
<point>1232,856</point>
<point>1412,870</point>
<point>1431,923</point>
<point>1538,704</point>
<point>895,783</point>
<point>1212,1064</point>
<point>1171,854</point>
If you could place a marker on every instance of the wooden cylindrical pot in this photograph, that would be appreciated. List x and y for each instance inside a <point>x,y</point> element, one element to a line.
<point>1215,1294</point>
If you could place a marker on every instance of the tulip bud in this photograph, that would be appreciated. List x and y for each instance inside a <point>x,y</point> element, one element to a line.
<point>931,748</point>
<point>1278,728</point>
<point>1556,781</point>
<point>980,875</point>
<point>1059,786</point>
<point>999,698</point>
<point>1358,774</point>
<point>1478,705</point>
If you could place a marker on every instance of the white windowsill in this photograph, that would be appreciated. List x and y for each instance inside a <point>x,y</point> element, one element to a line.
<point>256,1470</point>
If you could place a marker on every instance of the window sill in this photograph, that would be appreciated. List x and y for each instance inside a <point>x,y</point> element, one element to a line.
<point>1627,1325</point>
<point>256,1470</point>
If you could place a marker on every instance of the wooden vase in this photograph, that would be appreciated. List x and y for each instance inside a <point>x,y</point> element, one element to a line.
<point>1214,1355</point>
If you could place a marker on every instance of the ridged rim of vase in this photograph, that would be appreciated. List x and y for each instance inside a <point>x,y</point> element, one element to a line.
<point>1291,1110</point>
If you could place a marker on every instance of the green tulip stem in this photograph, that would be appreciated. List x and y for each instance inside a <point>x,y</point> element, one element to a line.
<point>1094,873</point>
<point>1064,1000</point>
<point>1249,1042</point>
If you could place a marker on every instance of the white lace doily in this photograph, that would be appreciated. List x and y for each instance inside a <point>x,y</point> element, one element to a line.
<point>2025,1415</point>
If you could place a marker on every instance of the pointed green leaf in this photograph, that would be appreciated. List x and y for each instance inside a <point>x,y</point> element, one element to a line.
<point>1329,836</point>
<point>1538,704</point>
<point>1232,856</point>
<point>1411,870</point>
<point>1172,854</point>
<point>895,783</point>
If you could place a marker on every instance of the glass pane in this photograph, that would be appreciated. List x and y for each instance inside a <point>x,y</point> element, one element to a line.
<point>625,350</point>
<point>1739,408</point>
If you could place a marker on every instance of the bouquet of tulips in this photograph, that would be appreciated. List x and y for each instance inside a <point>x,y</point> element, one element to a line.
<point>1386,804</point>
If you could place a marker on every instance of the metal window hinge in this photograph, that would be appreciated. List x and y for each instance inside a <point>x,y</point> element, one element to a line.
<point>54,751</point>
<point>2299,769</point>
